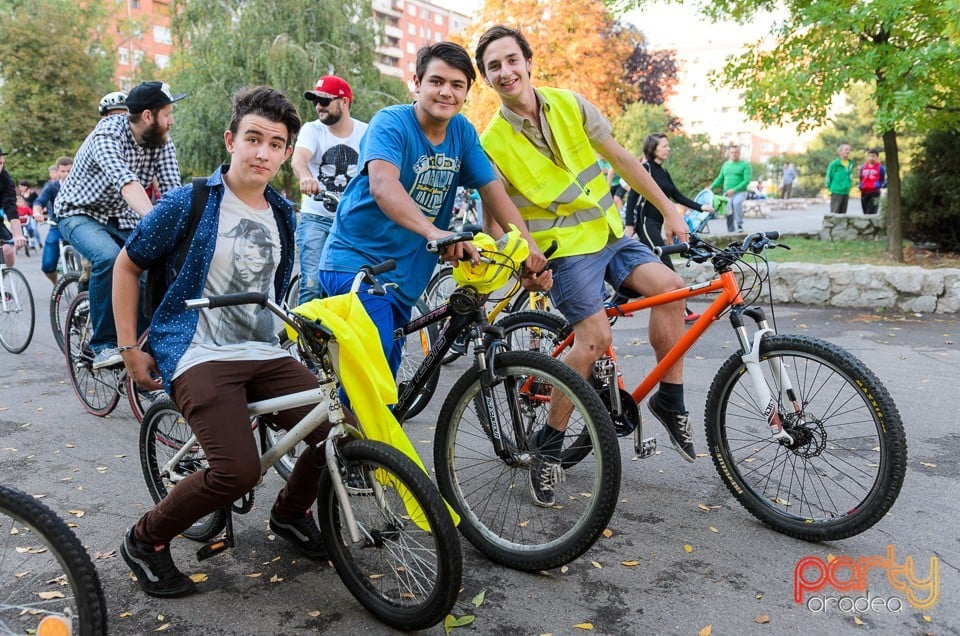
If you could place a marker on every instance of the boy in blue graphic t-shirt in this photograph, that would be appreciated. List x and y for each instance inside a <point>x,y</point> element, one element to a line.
<point>412,160</point>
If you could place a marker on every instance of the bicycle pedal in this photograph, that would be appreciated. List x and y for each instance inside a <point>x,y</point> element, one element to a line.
<point>214,548</point>
<point>646,448</point>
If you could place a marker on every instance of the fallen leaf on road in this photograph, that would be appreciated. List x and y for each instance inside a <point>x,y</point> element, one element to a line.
<point>198,577</point>
<point>706,631</point>
<point>596,565</point>
<point>762,619</point>
<point>313,614</point>
<point>630,564</point>
<point>608,533</point>
<point>586,626</point>
<point>687,547</point>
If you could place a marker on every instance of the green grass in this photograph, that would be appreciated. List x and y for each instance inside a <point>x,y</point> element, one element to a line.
<point>804,250</point>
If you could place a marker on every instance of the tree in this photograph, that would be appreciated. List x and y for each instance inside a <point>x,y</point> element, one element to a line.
<point>54,72</point>
<point>823,47</point>
<point>576,45</point>
<point>227,44</point>
<point>653,73</point>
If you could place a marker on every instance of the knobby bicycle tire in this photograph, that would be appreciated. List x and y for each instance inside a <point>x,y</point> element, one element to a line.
<point>97,389</point>
<point>416,348</point>
<point>492,497</point>
<point>406,575</point>
<point>845,470</point>
<point>64,291</point>
<point>17,317</point>
<point>47,574</point>
<point>163,432</point>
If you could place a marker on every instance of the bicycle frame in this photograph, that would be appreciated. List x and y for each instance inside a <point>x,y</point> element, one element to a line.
<point>729,296</point>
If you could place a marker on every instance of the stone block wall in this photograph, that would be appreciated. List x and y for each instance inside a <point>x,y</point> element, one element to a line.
<point>853,226</point>
<point>908,289</point>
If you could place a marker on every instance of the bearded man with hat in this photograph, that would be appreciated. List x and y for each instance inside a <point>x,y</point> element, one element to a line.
<point>104,196</point>
<point>324,158</point>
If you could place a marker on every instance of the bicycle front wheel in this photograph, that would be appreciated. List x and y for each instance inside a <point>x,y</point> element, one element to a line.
<point>846,464</point>
<point>16,311</point>
<point>163,433</point>
<point>96,389</point>
<point>416,348</point>
<point>406,569</point>
<point>491,493</point>
<point>47,580</point>
<point>66,289</point>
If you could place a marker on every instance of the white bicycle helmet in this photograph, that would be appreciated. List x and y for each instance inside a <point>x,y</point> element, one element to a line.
<point>113,101</point>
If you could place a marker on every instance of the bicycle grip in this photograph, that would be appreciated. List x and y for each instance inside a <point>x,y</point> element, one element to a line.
<point>437,245</point>
<point>551,249</point>
<point>386,266</point>
<point>676,248</point>
<point>227,300</point>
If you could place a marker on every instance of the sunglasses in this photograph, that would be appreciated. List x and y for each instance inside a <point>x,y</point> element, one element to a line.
<point>325,101</point>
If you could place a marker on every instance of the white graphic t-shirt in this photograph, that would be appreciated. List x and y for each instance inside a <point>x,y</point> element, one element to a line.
<point>334,160</point>
<point>244,260</point>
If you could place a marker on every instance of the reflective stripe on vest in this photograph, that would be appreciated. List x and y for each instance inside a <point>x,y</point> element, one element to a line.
<point>571,205</point>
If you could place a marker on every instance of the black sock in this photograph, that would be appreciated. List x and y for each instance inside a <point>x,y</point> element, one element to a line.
<point>671,397</point>
<point>550,442</point>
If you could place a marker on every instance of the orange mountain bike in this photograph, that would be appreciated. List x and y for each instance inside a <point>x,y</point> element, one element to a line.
<point>803,434</point>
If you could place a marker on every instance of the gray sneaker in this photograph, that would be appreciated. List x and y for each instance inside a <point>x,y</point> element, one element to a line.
<point>544,476</point>
<point>109,357</point>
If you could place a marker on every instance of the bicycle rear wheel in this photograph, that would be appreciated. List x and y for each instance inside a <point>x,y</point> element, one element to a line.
<point>46,577</point>
<point>491,494</point>
<point>846,466</point>
<point>16,311</point>
<point>66,289</point>
<point>163,433</point>
<point>72,261</point>
<point>407,574</point>
<point>96,389</point>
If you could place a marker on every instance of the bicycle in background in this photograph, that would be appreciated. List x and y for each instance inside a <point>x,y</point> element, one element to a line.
<point>802,433</point>
<point>17,318</point>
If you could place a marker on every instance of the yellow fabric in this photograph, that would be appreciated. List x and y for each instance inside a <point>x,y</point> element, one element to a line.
<point>365,376</point>
<point>488,277</point>
<point>543,184</point>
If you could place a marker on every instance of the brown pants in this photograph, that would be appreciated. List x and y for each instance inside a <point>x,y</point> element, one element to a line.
<point>213,398</point>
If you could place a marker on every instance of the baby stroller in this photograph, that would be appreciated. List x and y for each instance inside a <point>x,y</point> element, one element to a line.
<point>697,221</point>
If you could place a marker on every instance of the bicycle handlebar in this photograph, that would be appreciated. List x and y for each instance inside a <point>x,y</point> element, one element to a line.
<point>438,245</point>
<point>227,300</point>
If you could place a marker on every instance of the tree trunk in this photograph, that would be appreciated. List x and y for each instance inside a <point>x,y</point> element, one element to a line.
<point>894,210</point>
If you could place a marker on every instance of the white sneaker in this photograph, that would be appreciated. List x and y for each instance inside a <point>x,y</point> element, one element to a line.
<point>109,357</point>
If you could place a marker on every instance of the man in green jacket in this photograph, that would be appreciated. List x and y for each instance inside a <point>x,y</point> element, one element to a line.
<point>839,175</point>
<point>735,177</point>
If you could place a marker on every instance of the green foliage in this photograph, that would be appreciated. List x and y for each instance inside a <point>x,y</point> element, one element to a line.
<point>637,121</point>
<point>54,72</point>
<point>286,44</point>
<point>931,192</point>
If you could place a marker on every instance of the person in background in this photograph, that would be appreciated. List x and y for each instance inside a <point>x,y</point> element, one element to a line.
<point>324,158</point>
<point>873,178</point>
<point>786,180</point>
<point>839,180</point>
<point>45,205</point>
<point>8,201</point>
<point>642,218</point>
<point>735,175</point>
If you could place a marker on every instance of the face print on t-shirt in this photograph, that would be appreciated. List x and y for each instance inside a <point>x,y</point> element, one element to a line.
<point>433,178</point>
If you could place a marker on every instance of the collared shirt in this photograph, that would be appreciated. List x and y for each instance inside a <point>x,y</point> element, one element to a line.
<point>109,159</point>
<point>597,127</point>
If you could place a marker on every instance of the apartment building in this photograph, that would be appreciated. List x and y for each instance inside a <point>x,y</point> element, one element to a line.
<point>141,33</point>
<point>407,26</point>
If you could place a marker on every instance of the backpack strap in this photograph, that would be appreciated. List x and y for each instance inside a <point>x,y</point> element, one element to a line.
<point>198,201</point>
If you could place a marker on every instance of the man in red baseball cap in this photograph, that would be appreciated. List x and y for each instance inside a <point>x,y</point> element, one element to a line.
<point>324,159</point>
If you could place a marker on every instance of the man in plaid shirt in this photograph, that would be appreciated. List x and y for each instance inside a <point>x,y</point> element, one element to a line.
<point>105,196</point>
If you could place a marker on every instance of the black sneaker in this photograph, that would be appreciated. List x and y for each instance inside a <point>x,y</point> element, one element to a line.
<point>677,425</point>
<point>544,475</point>
<point>154,569</point>
<point>303,533</point>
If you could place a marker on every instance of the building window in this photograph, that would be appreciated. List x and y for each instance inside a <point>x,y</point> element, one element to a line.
<point>412,9</point>
<point>411,28</point>
<point>411,48</point>
<point>134,4</point>
<point>161,35</point>
<point>438,19</point>
<point>162,61</point>
<point>123,55</point>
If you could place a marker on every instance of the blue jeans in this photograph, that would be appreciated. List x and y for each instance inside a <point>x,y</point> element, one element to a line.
<point>51,250</point>
<point>735,217</point>
<point>312,232</point>
<point>100,245</point>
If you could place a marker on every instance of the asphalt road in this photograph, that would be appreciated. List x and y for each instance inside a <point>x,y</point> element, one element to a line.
<point>737,577</point>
